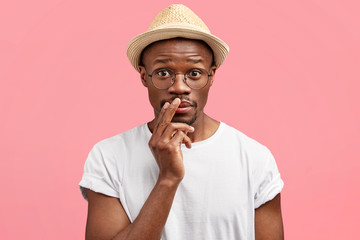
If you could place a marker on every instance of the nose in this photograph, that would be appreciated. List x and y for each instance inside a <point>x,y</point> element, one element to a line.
<point>179,86</point>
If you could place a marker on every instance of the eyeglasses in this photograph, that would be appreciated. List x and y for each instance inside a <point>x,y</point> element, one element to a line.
<point>164,78</point>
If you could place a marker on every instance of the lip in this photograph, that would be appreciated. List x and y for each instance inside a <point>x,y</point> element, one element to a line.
<point>184,107</point>
<point>184,104</point>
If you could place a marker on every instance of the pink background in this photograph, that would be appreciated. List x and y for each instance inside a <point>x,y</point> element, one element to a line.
<point>291,82</point>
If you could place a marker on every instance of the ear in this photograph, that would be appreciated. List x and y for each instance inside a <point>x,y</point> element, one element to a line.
<point>143,76</point>
<point>212,72</point>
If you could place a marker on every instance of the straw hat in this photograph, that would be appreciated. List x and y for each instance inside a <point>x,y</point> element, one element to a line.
<point>174,21</point>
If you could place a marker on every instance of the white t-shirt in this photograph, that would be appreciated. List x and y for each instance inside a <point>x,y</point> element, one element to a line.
<point>227,177</point>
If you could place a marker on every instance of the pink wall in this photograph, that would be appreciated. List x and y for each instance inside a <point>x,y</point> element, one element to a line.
<point>291,79</point>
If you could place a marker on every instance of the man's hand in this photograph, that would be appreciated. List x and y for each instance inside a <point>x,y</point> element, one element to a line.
<point>165,143</point>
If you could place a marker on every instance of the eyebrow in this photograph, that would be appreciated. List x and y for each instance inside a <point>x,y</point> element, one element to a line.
<point>195,60</point>
<point>162,61</point>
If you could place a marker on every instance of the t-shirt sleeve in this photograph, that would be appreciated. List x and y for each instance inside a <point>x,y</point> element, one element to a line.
<point>268,182</point>
<point>99,174</point>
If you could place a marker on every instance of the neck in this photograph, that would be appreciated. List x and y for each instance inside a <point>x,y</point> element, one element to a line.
<point>204,125</point>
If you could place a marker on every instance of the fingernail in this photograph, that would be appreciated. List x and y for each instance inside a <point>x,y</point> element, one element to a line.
<point>192,128</point>
<point>166,105</point>
<point>176,101</point>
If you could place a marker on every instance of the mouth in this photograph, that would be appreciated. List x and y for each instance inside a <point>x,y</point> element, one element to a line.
<point>184,107</point>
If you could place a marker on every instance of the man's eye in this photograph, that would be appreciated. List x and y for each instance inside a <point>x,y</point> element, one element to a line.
<point>163,73</point>
<point>195,74</point>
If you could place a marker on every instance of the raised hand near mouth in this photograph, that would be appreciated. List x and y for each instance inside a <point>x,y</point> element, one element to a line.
<point>165,143</point>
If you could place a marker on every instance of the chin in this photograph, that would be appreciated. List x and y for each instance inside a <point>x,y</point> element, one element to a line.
<point>186,120</point>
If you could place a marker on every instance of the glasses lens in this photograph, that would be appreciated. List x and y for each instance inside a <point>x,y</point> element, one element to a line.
<point>196,78</point>
<point>162,78</point>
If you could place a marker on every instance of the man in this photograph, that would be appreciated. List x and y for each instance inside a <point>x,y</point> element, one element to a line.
<point>182,175</point>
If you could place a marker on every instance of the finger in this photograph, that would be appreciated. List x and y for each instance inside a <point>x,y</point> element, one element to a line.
<point>187,141</point>
<point>170,112</point>
<point>171,128</point>
<point>179,138</point>
<point>161,114</point>
<point>167,116</point>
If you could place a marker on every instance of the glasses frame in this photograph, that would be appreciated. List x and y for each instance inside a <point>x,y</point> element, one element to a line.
<point>174,79</point>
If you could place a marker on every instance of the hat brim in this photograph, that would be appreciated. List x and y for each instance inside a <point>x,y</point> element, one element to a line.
<point>138,43</point>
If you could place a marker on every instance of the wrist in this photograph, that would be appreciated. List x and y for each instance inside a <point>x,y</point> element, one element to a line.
<point>168,182</point>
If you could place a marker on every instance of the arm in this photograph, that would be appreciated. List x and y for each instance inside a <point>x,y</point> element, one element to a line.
<point>268,221</point>
<point>106,216</point>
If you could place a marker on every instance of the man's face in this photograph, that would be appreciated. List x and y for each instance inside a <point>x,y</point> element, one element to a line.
<point>178,55</point>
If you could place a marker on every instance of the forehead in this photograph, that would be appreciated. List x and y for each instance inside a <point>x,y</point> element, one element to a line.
<point>178,48</point>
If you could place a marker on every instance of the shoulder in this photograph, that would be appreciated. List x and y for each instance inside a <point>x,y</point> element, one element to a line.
<point>125,138</point>
<point>245,142</point>
<point>254,153</point>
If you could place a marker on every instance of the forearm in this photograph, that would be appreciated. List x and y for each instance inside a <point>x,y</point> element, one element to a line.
<point>153,215</point>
